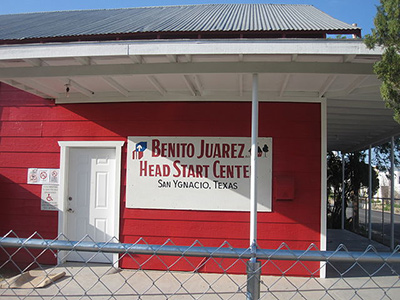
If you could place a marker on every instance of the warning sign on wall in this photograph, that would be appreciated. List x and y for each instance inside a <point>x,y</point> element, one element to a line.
<point>49,199</point>
<point>43,176</point>
<point>197,173</point>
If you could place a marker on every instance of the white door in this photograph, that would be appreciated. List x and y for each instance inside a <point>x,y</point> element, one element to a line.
<point>90,204</point>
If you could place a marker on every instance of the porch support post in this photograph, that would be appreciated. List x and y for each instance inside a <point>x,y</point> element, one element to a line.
<point>253,174</point>
<point>392,195</point>
<point>343,194</point>
<point>253,267</point>
<point>369,193</point>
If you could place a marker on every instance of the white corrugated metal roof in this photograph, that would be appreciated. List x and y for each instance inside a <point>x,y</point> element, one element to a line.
<point>189,18</point>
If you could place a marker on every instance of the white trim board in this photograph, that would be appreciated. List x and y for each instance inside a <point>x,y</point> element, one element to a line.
<point>324,147</point>
<point>63,195</point>
<point>184,47</point>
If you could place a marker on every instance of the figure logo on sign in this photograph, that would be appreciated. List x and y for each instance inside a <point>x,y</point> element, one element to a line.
<point>139,149</point>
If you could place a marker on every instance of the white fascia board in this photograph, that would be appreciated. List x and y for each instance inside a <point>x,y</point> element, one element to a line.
<point>66,50</point>
<point>234,47</point>
<point>186,47</point>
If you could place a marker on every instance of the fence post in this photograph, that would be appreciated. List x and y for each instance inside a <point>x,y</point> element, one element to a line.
<point>253,280</point>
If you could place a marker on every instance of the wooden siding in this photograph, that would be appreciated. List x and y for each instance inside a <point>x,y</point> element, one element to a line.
<point>31,127</point>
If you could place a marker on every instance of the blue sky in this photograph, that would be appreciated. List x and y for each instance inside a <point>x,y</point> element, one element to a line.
<point>361,12</point>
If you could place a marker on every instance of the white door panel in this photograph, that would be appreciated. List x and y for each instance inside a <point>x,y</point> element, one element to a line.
<point>91,190</point>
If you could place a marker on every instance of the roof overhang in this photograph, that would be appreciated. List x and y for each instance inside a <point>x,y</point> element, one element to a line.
<point>338,72</point>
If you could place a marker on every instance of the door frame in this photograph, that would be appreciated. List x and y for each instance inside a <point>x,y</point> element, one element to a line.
<point>66,146</point>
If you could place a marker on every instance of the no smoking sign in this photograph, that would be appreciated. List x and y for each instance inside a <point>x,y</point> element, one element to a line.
<point>43,176</point>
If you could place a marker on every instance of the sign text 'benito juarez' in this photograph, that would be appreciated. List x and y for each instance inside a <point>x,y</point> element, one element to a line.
<point>197,173</point>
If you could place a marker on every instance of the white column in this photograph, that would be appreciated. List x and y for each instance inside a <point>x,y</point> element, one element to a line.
<point>253,175</point>
<point>369,194</point>
<point>324,182</point>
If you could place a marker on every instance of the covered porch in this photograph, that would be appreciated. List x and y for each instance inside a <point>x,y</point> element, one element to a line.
<point>337,74</point>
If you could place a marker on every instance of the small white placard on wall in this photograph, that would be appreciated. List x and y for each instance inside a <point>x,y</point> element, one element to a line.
<point>49,197</point>
<point>43,176</point>
<point>197,173</point>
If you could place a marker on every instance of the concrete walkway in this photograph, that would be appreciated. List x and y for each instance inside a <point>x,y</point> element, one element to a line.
<point>355,242</point>
<point>352,241</point>
<point>99,282</point>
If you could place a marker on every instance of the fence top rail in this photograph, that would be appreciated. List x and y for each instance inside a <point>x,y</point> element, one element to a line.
<point>282,253</point>
<point>378,198</point>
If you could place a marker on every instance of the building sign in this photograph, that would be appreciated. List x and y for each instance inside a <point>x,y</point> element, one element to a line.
<point>43,176</point>
<point>49,199</point>
<point>196,173</point>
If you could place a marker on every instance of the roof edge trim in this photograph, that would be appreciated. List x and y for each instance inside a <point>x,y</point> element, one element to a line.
<point>187,47</point>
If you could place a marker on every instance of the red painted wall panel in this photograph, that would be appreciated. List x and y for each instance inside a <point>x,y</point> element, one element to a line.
<point>30,128</point>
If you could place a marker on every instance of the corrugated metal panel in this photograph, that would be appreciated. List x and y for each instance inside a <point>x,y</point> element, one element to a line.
<point>190,18</point>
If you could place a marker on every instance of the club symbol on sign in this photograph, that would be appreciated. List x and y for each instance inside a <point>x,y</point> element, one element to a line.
<point>43,175</point>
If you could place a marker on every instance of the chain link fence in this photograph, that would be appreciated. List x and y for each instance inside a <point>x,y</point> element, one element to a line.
<point>170,271</point>
<point>380,219</point>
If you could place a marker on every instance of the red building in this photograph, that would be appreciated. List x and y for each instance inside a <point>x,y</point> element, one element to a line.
<point>104,122</point>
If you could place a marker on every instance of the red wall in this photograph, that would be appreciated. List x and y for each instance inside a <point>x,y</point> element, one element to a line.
<point>31,127</point>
